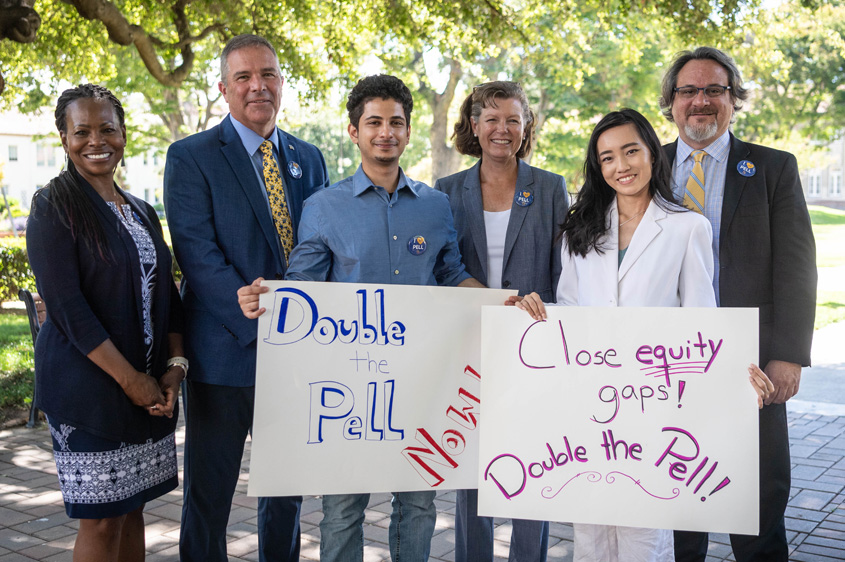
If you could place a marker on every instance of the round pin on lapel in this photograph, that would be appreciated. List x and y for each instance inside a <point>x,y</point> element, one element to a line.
<point>746,168</point>
<point>524,198</point>
<point>295,170</point>
<point>416,245</point>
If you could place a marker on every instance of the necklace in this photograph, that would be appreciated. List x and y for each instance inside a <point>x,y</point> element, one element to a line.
<point>621,224</point>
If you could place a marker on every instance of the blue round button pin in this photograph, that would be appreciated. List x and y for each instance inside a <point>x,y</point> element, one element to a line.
<point>294,170</point>
<point>746,168</point>
<point>524,198</point>
<point>416,245</point>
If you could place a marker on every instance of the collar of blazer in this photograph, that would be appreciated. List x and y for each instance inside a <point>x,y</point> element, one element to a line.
<point>474,208</point>
<point>242,168</point>
<point>734,181</point>
<point>646,232</point>
<point>111,222</point>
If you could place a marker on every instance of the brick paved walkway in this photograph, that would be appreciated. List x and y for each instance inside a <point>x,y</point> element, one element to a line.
<point>33,525</point>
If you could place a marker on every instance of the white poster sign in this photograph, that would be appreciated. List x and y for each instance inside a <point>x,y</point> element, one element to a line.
<point>367,388</point>
<point>639,417</point>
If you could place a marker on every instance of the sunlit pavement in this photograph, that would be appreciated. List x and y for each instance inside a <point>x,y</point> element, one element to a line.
<point>33,525</point>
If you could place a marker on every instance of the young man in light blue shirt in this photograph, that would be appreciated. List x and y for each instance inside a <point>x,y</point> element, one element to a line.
<point>376,226</point>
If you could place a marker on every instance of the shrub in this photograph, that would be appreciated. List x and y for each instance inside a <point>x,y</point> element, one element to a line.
<point>15,273</point>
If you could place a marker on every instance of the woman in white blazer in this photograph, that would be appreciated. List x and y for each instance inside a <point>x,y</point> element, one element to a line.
<point>627,242</point>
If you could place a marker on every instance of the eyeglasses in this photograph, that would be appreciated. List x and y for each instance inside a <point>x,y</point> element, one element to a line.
<point>689,92</point>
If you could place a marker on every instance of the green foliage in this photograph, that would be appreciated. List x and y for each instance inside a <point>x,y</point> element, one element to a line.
<point>792,57</point>
<point>15,273</point>
<point>16,361</point>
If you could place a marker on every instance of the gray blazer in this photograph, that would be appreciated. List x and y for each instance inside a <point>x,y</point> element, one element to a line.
<point>532,248</point>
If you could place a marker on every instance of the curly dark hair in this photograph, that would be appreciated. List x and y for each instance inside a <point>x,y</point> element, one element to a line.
<point>383,86</point>
<point>483,96</point>
<point>66,194</point>
<point>586,222</point>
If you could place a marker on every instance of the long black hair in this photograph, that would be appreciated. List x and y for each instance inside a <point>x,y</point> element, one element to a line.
<point>66,194</point>
<point>586,222</point>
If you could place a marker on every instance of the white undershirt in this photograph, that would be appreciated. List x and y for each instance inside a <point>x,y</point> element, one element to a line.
<point>496,225</point>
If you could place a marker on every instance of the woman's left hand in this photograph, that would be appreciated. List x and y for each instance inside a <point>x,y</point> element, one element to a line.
<point>531,303</point>
<point>169,384</point>
<point>761,383</point>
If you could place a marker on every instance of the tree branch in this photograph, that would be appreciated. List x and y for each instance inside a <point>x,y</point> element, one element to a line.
<point>124,33</point>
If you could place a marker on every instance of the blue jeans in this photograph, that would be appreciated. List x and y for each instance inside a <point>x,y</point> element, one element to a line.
<point>474,534</point>
<point>411,527</point>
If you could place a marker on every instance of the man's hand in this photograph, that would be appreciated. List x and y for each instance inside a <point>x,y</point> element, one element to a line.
<point>248,298</point>
<point>786,377</point>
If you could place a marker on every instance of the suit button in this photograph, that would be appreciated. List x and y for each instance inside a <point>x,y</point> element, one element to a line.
<point>279,277</point>
<point>506,284</point>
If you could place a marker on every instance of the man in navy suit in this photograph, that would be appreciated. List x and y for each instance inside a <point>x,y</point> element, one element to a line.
<point>765,258</point>
<point>229,225</point>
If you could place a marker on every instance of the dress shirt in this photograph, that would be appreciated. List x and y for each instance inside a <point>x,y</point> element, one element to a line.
<point>357,232</point>
<point>715,165</point>
<point>252,142</point>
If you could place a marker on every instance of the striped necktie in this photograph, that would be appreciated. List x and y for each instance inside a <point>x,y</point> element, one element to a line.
<point>694,194</point>
<point>276,195</point>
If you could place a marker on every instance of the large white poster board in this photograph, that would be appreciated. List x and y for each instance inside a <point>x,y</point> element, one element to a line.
<point>640,417</point>
<point>367,388</point>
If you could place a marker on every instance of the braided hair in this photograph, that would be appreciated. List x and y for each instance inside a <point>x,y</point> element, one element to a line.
<point>66,194</point>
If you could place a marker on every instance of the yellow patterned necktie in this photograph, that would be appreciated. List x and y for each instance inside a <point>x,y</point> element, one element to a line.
<point>694,195</point>
<point>276,195</point>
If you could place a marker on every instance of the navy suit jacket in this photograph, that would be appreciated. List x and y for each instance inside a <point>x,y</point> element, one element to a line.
<point>89,301</point>
<point>224,238</point>
<point>532,248</point>
<point>767,253</point>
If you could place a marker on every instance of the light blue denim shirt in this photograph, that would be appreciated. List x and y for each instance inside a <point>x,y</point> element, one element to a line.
<point>356,232</point>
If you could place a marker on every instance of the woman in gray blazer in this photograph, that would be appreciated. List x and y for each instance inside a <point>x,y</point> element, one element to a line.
<point>508,216</point>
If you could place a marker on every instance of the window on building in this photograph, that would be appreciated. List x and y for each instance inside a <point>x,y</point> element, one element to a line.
<point>836,183</point>
<point>45,155</point>
<point>815,184</point>
<point>13,153</point>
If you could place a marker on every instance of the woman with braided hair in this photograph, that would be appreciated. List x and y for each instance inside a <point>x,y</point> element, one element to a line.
<point>109,354</point>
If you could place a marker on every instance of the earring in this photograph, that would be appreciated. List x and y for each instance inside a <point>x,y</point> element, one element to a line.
<point>123,161</point>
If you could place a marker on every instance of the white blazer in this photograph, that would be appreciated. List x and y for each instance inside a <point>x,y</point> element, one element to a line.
<point>669,263</point>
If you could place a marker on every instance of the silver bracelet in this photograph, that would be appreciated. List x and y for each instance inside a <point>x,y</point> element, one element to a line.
<point>180,362</point>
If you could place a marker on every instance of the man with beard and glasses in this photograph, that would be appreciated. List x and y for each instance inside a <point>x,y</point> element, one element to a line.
<point>377,226</point>
<point>764,255</point>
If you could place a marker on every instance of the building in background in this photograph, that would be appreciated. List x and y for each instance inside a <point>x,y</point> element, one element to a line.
<point>31,155</point>
<point>824,185</point>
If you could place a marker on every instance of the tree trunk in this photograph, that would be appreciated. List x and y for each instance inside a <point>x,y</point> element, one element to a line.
<point>444,158</point>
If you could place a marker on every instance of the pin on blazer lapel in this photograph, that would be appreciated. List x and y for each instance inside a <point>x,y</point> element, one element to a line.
<point>734,182</point>
<point>288,154</point>
<point>524,181</point>
<point>241,164</point>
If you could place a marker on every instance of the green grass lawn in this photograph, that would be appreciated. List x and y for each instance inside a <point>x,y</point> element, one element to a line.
<point>16,362</point>
<point>829,230</point>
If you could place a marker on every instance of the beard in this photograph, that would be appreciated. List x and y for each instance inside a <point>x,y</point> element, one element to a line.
<point>702,132</point>
<point>386,159</point>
